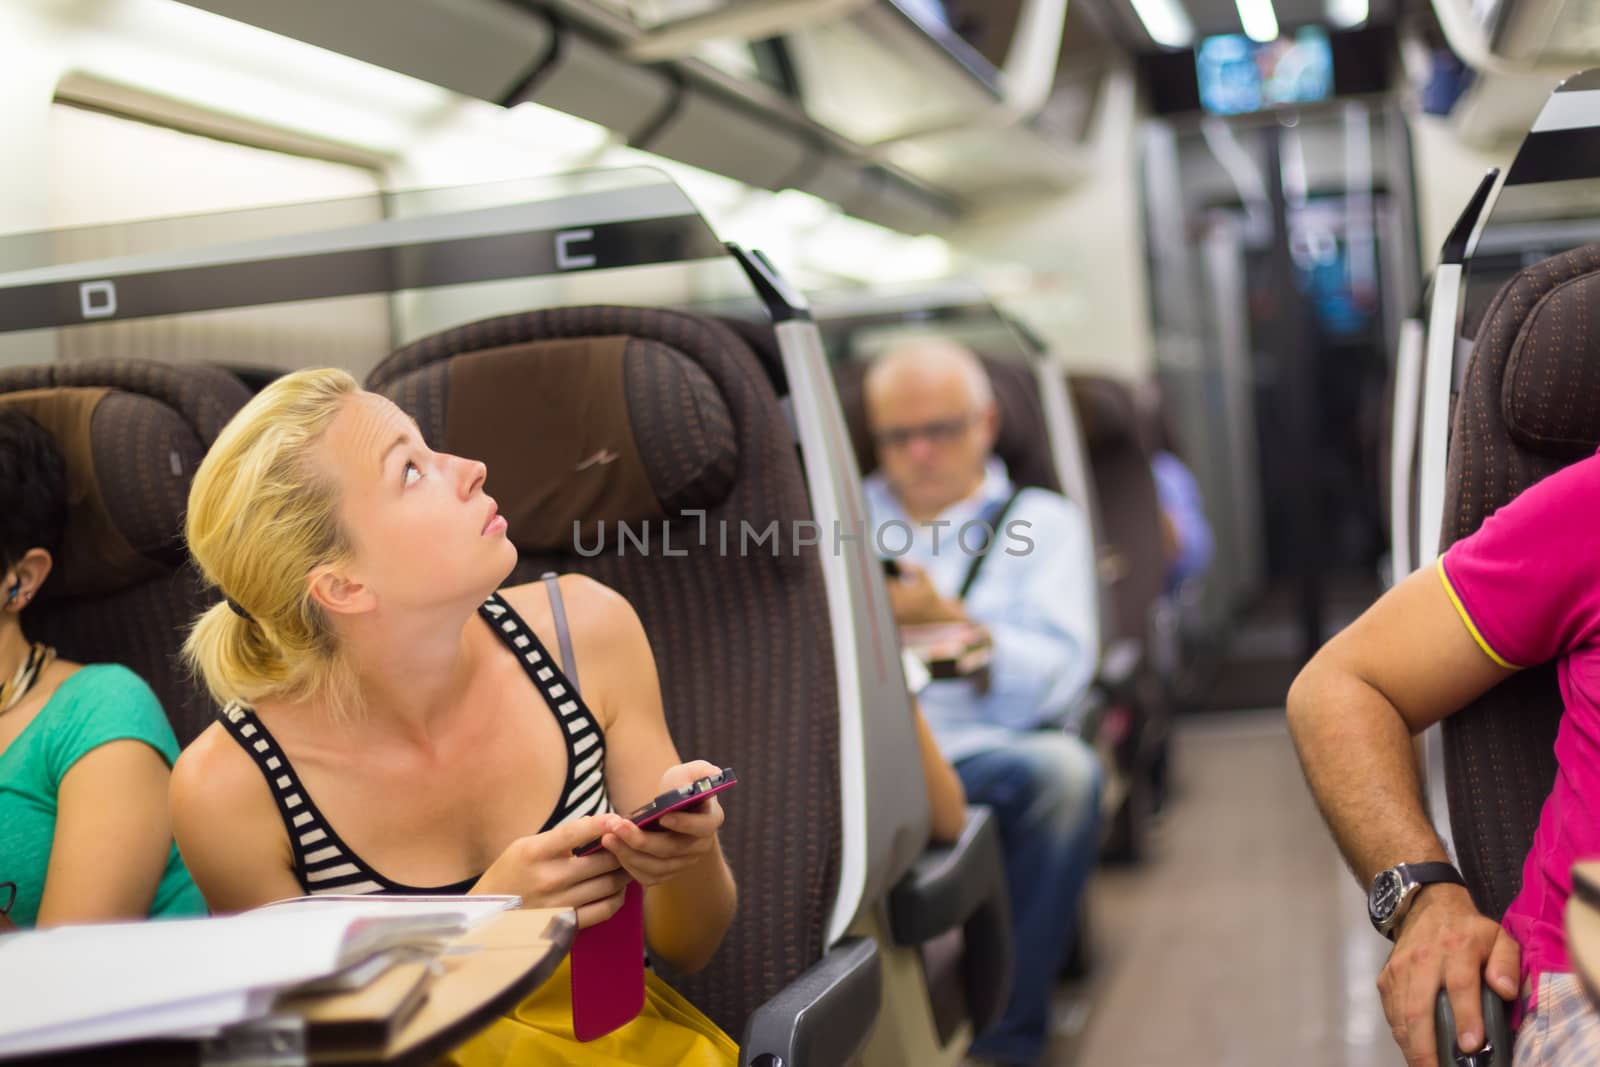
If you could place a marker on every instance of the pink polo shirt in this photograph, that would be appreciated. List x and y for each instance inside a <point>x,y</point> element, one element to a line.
<point>1527,585</point>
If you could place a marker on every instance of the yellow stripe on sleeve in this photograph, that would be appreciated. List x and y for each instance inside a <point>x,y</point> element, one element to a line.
<point>1472,627</point>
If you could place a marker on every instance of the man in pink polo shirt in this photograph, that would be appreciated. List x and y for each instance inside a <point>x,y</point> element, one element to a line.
<point>1523,590</point>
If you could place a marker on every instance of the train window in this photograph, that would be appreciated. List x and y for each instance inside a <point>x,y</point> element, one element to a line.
<point>107,167</point>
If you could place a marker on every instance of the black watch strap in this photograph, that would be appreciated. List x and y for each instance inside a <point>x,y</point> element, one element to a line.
<point>1428,873</point>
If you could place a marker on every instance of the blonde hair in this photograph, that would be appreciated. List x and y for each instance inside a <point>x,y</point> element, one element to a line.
<point>261,518</point>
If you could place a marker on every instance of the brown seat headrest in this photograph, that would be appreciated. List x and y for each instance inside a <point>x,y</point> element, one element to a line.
<point>132,433</point>
<point>575,430</point>
<point>1106,412</point>
<point>129,461</point>
<point>1549,316</point>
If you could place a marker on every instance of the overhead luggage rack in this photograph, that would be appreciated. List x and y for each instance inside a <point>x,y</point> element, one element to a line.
<point>425,240</point>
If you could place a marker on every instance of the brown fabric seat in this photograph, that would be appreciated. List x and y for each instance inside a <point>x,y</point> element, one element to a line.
<point>124,590</point>
<point>595,415</point>
<point>1023,443</point>
<point>1530,405</point>
<point>1132,554</point>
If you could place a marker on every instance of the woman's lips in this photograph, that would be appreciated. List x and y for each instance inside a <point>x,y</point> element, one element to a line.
<point>496,522</point>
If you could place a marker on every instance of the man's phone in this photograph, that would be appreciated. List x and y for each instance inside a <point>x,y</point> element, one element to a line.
<point>891,567</point>
<point>690,796</point>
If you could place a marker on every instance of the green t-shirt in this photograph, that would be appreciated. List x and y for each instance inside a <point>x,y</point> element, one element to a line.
<point>96,705</point>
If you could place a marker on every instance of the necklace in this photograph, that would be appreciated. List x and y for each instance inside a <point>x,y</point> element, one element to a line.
<point>39,657</point>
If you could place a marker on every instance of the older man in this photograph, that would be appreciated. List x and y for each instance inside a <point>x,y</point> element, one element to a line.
<point>934,421</point>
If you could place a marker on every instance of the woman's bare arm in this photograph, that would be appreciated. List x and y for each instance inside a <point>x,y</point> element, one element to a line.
<point>947,799</point>
<point>112,836</point>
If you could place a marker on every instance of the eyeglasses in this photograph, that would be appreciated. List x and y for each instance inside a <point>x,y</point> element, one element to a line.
<point>938,432</point>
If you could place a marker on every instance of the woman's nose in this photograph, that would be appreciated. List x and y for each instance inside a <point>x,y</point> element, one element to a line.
<point>473,474</point>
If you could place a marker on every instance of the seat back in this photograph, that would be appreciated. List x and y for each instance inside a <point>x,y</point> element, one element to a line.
<point>598,416</point>
<point>1024,439</point>
<point>1133,562</point>
<point>123,590</point>
<point>1529,405</point>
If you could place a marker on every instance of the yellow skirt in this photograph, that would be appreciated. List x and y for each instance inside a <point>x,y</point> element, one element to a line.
<point>669,1031</point>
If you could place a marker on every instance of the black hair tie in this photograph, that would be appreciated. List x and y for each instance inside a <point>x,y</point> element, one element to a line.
<point>237,610</point>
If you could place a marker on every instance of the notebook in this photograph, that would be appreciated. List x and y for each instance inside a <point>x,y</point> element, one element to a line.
<point>74,986</point>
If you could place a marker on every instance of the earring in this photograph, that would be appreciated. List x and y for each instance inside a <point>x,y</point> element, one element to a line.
<point>15,586</point>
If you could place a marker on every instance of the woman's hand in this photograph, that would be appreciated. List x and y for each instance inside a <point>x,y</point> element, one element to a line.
<point>679,840</point>
<point>542,870</point>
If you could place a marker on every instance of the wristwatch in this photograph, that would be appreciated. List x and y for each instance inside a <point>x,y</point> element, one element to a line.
<point>1394,890</point>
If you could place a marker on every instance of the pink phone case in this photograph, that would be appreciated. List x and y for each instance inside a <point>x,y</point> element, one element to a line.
<point>608,970</point>
<point>650,820</point>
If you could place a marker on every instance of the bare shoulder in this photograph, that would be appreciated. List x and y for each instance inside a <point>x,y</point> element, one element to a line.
<point>213,773</point>
<point>608,640</point>
<point>599,616</point>
<point>227,825</point>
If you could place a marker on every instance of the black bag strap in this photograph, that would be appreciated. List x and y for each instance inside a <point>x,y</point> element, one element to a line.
<point>993,518</point>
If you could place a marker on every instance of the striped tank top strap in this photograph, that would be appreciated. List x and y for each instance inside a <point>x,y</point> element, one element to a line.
<point>321,862</point>
<point>584,792</point>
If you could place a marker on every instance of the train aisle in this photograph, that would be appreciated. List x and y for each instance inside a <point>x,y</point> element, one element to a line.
<point>1243,941</point>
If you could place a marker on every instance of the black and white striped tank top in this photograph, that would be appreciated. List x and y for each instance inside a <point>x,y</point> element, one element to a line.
<point>325,864</point>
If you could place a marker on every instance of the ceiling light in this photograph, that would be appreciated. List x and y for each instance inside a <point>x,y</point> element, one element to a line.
<point>1346,13</point>
<point>1260,21</point>
<point>1166,22</point>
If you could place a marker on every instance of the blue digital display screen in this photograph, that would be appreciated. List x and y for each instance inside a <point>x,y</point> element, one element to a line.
<point>1238,75</point>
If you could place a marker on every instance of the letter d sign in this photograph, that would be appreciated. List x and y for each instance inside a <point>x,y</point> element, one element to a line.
<point>97,300</point>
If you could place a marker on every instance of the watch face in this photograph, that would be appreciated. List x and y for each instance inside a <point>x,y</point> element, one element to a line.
<point>1385,896</point>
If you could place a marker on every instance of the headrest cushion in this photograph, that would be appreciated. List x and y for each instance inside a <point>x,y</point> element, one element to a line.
<point>588,430</point>
<point>1550,395</point>
<point>1105,412</point>
<point>129,461</point>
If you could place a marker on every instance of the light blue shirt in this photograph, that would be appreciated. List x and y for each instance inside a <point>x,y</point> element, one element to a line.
<point>1032,594</point>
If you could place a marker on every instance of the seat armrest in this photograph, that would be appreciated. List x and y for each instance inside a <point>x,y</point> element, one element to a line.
<point>947,884</point>
<point>963,885</point>
<point>1496,1028</point>
<point>824,1016</point>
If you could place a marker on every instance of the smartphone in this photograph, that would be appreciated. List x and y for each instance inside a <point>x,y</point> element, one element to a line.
<point>689,796</point>
<point>891,567</point>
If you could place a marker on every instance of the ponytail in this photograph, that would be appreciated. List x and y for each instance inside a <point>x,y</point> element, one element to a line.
<point>261,517</point>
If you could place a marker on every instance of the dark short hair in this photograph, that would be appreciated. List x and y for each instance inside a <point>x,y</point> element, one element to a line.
<point>33,488</point>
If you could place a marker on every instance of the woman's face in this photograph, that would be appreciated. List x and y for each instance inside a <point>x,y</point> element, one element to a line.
<point>422,529</point>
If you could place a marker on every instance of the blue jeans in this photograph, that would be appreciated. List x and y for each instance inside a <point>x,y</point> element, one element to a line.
<point>1045,792</point>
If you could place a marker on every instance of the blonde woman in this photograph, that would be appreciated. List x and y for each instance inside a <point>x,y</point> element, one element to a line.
<point>386,729</point>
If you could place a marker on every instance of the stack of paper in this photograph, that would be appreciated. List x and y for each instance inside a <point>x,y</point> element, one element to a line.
<point>84,985</point>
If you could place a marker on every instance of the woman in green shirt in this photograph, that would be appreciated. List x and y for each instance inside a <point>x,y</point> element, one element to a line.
<point>85,751</point>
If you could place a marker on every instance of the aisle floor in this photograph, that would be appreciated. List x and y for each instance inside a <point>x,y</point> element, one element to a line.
<point>1242,940</point>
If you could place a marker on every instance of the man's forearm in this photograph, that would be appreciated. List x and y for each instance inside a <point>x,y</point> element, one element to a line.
<point>1357,756</point>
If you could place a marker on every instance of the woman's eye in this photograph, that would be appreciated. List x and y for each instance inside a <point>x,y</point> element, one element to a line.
<point>413,473</point>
